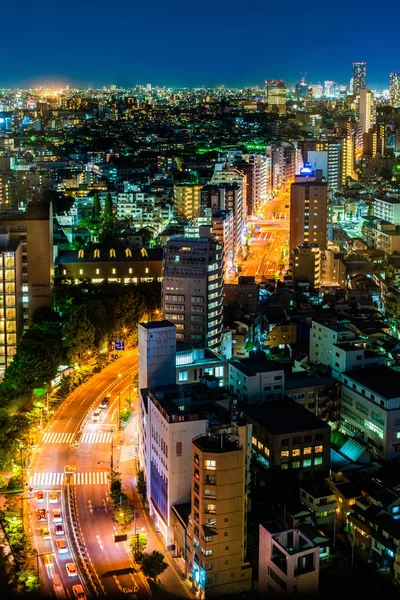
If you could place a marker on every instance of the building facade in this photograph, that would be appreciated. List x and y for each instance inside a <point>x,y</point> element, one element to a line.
<point>309,210</point>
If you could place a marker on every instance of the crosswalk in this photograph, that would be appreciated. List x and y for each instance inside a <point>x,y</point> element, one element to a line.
<point>102,437</point>
<point>128,451</point>
<point>86,478</point>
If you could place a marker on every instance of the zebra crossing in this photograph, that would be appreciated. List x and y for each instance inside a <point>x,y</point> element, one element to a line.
<point>86,478</point>
<point>102,437</point>
<point>128,451</point>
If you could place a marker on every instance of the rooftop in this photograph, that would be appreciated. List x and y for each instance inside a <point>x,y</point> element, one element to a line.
<point>220,443</point>
<point>157,324</point>
<point>253,365</point>
<point>283,416</point>
<point>379,379</point>
<point>303,380</point>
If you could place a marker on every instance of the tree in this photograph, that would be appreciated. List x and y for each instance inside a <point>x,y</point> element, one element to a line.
<point>124,515</point>
<point>96,208</point>
<point>98,317</point>
<point>78,335</point>
<point>153,565</point>
<point>108,208</point>
<point>141,486</point>
<point>138,545</point>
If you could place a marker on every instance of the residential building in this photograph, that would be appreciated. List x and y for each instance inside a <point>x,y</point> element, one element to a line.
<point>320,501</point>
<point>395,89</point>
<point>319,395</point>
<point>112,265</point>
<point>370,409</point>
<point>276,96</point>
<point>281,335</point>
<point>186,200</point>
<point>325,156</point>
<point>349,356</point>
<point>359,77</point>
<point>241,298</point>
<point>217,527</point>
<point>388,209</point>
<point>11,312</point>
<point>157,354</point>
<point>309,210</point>
<point>192,288</point>
<point>287,436</point>
<point>256,379</point>
<point>305,263</point>
<point>223,228</point>
<point>323,335</point>
<point>288,562</point>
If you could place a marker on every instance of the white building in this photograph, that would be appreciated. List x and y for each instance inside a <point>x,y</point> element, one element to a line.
<point>288,562</point>
<point>323,336</point>
<point>255,380</point>
<point>387,209</point>
<point>350,356</point>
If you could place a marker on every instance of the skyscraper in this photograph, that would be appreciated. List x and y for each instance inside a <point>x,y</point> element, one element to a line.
<point>359,77</point>
<point>395,89</point>
<point>366,110</point>
<point>309,209</point>
<point>192,288</point>
<point>276,96</point>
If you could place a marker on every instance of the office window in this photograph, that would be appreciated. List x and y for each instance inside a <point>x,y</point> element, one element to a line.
<point>211,465</point>
<point>307,450</point>
<point>318,449</point>
<point>285,453</point>
<point>307,462</point>
<point>254,441</point>
<point>318,461</point>
<point>183,376</point>
<point>296,464</point>
<point>296,452</point>
<point>80,271</point>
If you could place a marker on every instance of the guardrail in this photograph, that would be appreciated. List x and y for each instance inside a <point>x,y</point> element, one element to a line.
<point>78,547</point>
<point>109,388</point>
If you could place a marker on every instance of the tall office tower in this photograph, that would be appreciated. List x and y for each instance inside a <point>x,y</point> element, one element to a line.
<point>216,534</point>
<point>192,288</point>
<point>35,229</point>
<point>359,77</point>
<point>301,89</point>
<point>366,110</point>
<point>186,200</point>
<point>309,209</point>
<point>395,89</point>
<point>157,353</point>
<point>331,89</point>
<point>11,313</point>
<point>276,96</point>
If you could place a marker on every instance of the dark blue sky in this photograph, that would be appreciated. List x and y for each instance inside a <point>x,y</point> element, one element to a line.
<point>192,43</point>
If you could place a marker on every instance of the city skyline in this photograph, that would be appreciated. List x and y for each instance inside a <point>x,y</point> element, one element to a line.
<point>126,45</point>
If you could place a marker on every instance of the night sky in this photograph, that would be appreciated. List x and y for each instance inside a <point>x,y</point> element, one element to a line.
<point>193,43</point>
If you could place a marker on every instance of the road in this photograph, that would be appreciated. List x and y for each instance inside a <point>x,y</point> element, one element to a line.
<point>91,459</point>
<point>269,239</point>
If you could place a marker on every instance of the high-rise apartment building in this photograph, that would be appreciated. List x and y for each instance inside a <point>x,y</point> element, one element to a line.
<point>395,89</point>
<point>276,96</point>
<point>11,314</point>
<point>325,156</point>
<point>217,529</point>
<point>192,288</point>
<point>305,261</point>
<point>366,111</point>
<point>309,209</point>
<point>359,77</point>
<point>222,226</point>
<point>186,200</point>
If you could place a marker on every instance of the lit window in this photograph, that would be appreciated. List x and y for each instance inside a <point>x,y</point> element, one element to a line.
<point>318,460</point>
<point>307,450</point>
<point>64,272</point>
<point>254,441</point>
<point>97,271</point>
<point>296,452</point>
<point>266,451</point>
<point>285,454</point>
<point>182,376</point>
<point>211,465</point>
<point>80,271</point>
<point>307,462</point>
<point>114,271</point>
<point>130,270</point>
<point>260,445</point>
<point>318,449</point>
<point>296,464</point>
<point>147,270</point>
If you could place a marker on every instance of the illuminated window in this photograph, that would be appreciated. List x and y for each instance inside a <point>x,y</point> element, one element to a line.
<point>114,271</point>
<point>318,449</point>
<point>307,450</point>
<point>211,465</point>
<point>318,460</point>
<point>266,451</point>
<point>307,462</point>
<point>64,272</point>
<point>296,464</point>
<point>260,445</point>
<point>147,270</point>
<point>97,271</point>
<point>254,441</point>
<point>81,254</point>
<point>112,253</point>
<point>284,453</point>
<point>80,271</point>
<point>97,253</point>
<point>130,270</point>
<point>128,252</point>
<point>296,452</point>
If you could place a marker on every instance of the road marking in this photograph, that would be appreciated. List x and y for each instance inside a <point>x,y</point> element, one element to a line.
<point>86,478</point>
<point>58,438</point>
<point>96,438</point>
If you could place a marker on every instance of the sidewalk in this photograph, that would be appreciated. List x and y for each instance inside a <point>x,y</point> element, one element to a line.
<point>172,580</point>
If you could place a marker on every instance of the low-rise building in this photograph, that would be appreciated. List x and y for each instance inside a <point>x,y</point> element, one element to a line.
<point>319,395</point>
<point>288,562</point>
<point>320,501</point>
<point>323,335</point>
<point>256,379</point>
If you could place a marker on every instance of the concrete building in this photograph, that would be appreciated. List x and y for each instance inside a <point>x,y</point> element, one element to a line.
<point>388,209</point>
<point>241,298</point>
<point>350,356</point>
<point>223,228</point>
<point>192,288</point>
<point>370,409</point>
<point>288,562</point>
<point>366,116</point>
<point>255,380</point>
<point>323,335</point>
<point>327,157</point>
<point>35,230</point>
<point>287,436</point>
<point>305,262</point>
<point>320,501</point>
<point>217,527</point>
<point>394,89</point>
<point>309,210</point>
<point>157,354</point>
<point>319,395</point>
<point>359,77</point>
<point>186,200</point>
<point>11,310</point>
<point>276,96</point>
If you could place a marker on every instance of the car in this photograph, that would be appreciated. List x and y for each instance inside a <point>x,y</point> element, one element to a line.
<point>53,498</point>
<point>61,546</point>
<point>59,530</point>
<point>48,559</point>
<point>78,592</point>
<point>45,533</point>
<point>70,469</point>
<point>57,518</point>
<point>71,570</point>
<point>39,497</point>
<point>96,415</point>
<point>41,514</point>
<point>105,402</point>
